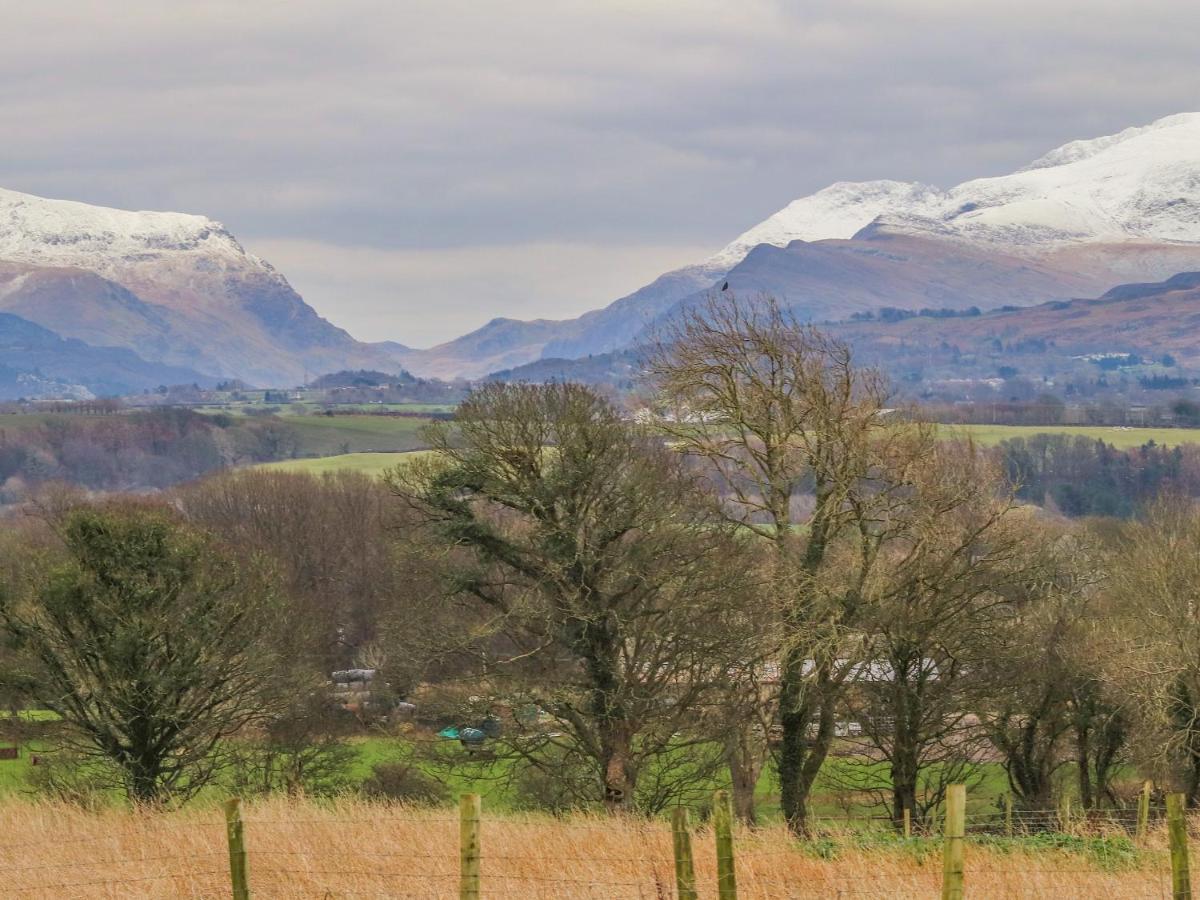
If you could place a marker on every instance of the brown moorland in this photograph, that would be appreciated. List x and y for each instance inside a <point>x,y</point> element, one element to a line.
<point>1152,319</point>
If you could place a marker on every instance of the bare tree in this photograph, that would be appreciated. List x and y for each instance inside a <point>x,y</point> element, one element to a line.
<point>603,589</point>
<point>775,408</point>
<point>947,546</point>
<point>1150,637</point>
<point>1042,689</point>
<point>742,721</point>
<point>331,540</point>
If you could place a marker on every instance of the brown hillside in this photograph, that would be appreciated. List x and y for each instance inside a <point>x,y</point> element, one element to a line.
<point>1148,319</point>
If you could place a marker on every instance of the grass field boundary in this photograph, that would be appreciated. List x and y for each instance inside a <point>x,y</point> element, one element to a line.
<point>274,848</point>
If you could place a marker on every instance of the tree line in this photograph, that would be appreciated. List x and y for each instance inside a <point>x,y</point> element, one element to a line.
<point>770,569</point>
<point>1080,476</point>
<point>133,451</point>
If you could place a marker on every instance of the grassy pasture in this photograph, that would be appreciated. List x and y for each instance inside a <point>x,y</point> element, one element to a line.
<point>326,436</point>
<point>1121,438</point>
<point>397,407</point>
<point>368,463</point>
<point>448,762</point>
<point>329,435</point>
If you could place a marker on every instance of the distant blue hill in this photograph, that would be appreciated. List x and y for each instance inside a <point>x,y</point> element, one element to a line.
<point>34,360</point>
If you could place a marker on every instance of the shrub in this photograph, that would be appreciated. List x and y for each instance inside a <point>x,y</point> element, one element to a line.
<point>404,781</point>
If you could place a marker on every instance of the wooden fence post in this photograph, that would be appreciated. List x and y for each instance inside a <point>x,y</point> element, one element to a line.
<point>1143,819</point>
<point>907,823</point>
<point>1064,813</point>
<point>955,836</point>
<point>1181,879</point>
<point>723,833</point>
<point>239,863</point>
<point>685,869</point>
<point>470,810</point>
<point>1008,828</point>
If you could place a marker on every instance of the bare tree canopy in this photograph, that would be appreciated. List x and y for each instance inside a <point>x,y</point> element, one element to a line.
<point>607,573</point>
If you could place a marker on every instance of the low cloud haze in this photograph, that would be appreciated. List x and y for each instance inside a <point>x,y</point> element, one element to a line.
<point>417,169</point>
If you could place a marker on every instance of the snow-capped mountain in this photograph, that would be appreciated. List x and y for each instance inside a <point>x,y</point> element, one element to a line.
<point>60,233</point>
<point>1140,185</point>
<point>838,211</point>
<point>1080,219</point>
<point>177,289</point>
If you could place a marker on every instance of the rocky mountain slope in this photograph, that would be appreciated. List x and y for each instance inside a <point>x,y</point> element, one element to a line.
<point>1080,219</point>
<point>178,289</point>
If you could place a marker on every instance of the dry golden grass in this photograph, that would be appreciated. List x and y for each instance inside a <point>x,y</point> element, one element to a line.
<point>352,849</point>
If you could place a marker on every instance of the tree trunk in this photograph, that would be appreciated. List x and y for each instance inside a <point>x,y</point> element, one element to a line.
<point>905,709</point>
<point>1083,766</point>
<point>801,755</point>
<point>1184,714</point>
<point>794,713</point>
<point>905,762</point>
<point>618,772</point>
<point>1030,782</point>
<point>1192,784</point>
<point>601,650</point>
<point>1109,742</point>
<point>142,784</point>
<point>1030,751</point>
<point>745,754</point>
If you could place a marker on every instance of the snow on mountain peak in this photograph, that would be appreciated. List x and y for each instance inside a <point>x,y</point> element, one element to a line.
<point>1083,149</point>
<point>838,211</point>
<point>1142,184</point>
<point>47,232</point>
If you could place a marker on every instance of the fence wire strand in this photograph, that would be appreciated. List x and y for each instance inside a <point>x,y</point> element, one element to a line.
<point>1066,855</point>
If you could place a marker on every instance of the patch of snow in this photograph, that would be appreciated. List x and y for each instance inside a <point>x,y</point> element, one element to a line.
<point>1142,184</point>
<point>838,211</point>
<point>43,232</point>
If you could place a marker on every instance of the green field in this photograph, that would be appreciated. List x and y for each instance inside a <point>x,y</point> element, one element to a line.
<point>362,442</point>
<point>310,407</point>
<point>367,463</point>
<point>1121,438</point>
<point>447,762</point>
<point>328,435</point>
<point>396,407</point>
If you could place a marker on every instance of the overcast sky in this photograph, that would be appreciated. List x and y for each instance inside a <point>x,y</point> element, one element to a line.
<point>416,169</point>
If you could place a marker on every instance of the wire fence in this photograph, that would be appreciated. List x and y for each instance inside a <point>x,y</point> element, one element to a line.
<point>361,851</point>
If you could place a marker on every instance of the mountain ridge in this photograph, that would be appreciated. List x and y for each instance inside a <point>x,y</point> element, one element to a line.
<point>180,290</point>
<point>190,295</point>
<point>1042,341</point>
<point>1127,206</point>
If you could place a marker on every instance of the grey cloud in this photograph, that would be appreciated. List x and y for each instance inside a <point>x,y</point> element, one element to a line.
<point>429,126</point>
